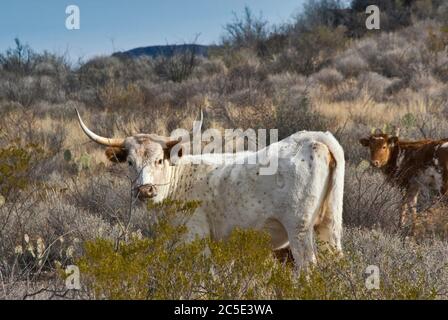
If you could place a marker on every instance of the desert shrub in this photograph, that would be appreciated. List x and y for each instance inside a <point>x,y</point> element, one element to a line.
<point>248,75</point>
<point>25,90</point>
<point>247,31</point>
<point>45,228</point>
<point>312,39</point>
<point>436,44</point>
<point>209,67</point>
<point>242,267</point>
<point>369,201</point>
<point>37,238</point>
<point>427,125</point>
<point>404,54</point>
<point>432,222</point>
<point>22,131</point>
<point>288,112</point>
<point>18,60</point>
<point>407,270</point>
<point>177,67</point>
<point>51,65</point>
<point>319,13</point>
<point>350,64</point>
<point>375,85</point>
<point>314,48</point>
<point>116,96</point>
<point>294,113</point>
<point>99,71</point>
<point>163,267</point>
<point>329,77</point>
<point>15,165</point>
<point>153,269</point>
<point>29,77</point>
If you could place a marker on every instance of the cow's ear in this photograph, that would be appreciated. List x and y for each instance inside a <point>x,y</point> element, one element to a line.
<point>116,154</point>
<point>365,142</point>
<point>392,140</point>
<point>173,148</point>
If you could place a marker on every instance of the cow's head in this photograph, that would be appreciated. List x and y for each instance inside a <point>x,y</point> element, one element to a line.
<point>381,146</point>
<point>147,155</point>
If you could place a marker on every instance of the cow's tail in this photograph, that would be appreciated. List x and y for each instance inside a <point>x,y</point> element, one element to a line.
<point>333,203</point>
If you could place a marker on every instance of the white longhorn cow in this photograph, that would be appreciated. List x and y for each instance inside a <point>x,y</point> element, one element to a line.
<point>303,196</point>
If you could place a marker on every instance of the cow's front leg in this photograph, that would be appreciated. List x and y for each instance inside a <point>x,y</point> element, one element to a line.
<point>410,206</point>
<point>403,213</point>
<point>444,188</point>
<point>413,207</point>
<point>197,226</point>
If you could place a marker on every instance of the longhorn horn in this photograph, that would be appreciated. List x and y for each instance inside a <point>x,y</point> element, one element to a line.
<point>109,142</point>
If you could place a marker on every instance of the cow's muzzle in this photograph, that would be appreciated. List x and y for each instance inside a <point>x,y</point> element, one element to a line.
<point>375,163</point>
<point>146,191</point>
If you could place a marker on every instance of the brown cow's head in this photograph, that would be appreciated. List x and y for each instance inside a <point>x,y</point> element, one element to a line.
<point>147,155</point>
<point>381,146</point>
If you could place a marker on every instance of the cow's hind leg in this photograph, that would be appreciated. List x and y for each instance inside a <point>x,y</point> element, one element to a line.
<point>328,226</point>
<point>300,225</point>
<point>301,242</point>
<point>329,233</point>
<point>301,235</point>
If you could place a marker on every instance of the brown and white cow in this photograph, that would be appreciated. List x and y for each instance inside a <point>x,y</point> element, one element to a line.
<point>300,199</point>
<point>411,165</point>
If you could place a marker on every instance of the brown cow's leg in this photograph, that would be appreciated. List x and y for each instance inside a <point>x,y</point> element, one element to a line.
<point>444,189</point>
<point>403,213</point>
<point>409,207</point>
<point>411,199</point>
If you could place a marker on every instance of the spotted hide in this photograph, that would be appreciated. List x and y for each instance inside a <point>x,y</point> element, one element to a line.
<point>303,196</point>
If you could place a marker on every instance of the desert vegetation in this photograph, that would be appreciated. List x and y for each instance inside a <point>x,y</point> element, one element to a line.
<point>62,202</point>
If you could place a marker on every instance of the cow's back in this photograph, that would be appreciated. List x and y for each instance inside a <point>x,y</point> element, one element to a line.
<point>243,197</point>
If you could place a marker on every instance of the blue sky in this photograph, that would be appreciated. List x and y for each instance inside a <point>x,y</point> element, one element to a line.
<point>111,25</point>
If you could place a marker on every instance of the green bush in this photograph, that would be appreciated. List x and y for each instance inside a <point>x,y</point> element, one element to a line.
<point>15,165</point>
<point>162,266</point>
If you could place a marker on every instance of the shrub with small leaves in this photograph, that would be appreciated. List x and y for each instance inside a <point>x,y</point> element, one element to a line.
<point>164,266</point>
<point>15,165</point>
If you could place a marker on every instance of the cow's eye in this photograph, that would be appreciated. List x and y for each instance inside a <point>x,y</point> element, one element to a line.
<point>384,147</point>
<point>160,161</point>
<point>130,163</point>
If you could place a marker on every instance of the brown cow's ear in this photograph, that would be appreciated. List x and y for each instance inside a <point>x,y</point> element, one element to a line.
<point>365,142</point>
<point>173,146</point>
<point>116,154</point>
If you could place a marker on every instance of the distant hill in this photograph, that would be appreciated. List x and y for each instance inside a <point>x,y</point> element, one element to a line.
<point>166,50</point>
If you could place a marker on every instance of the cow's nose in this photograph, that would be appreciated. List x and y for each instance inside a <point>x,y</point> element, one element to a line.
<point>376,163</point>
<point>147,191</point>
